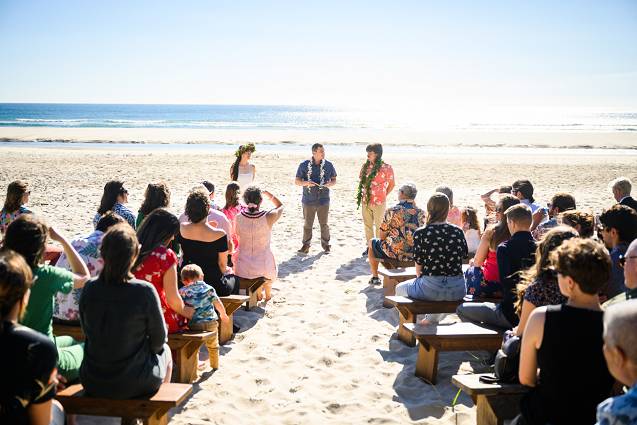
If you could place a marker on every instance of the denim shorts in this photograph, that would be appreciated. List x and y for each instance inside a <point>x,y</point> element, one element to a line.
<point>377,250</point>
<point>437,288</point>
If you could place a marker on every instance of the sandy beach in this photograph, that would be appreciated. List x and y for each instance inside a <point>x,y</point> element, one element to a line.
<point>323,350</point>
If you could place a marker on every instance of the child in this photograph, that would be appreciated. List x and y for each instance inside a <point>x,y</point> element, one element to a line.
<point>620,351</point>
<point>202,297</point>
<point>471,229</point>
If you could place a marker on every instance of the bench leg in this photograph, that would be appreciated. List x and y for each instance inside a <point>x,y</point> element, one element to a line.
<point>185,362</point>
<point>389,289</point>
<point>159,418</point>
<point>427,363</point>
<point>252,302</point>
<point>405,316</point>
<point>225,330</point>
<point>494,410</point>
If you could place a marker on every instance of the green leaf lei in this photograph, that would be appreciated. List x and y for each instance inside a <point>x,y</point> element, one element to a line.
<point>366,181</point>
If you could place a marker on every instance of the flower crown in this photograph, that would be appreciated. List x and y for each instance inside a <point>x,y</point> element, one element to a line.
<point>245,148</point>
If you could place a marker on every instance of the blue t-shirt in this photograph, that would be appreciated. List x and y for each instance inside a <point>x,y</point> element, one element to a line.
<point>316,195</point>
<point>621,410</point>
<point>201,297</point>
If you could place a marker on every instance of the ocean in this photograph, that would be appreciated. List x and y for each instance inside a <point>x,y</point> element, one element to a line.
<point>279,117</point>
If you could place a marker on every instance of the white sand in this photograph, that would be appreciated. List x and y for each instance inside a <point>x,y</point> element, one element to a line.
<point>323,350</point>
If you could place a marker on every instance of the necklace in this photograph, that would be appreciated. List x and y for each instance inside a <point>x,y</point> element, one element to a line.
<point>321,171</point>
<point>366,181</point>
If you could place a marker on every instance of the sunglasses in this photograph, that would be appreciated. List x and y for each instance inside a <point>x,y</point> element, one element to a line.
<point>124,192</point>
<point>623,258</point>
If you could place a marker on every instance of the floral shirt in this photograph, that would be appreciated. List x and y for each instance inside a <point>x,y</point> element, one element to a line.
<point>67,306</point>
<point>400,223</point>
<point>620,410</point>
<point>201,297</point>
<point>378,186</point>
<point>544,292</point>
<point>6,218</point>
<point>122,211</point>
<point>439,249</point>
<point>152,270</point>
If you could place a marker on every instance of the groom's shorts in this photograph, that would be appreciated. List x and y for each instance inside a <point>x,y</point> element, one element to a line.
<point>377,249</point>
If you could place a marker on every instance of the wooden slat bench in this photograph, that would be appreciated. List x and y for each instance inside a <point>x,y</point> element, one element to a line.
<point>251,287</point>
<point>495,403</point>
<point>185,347</point>
<point>153,410</point>
<point>231,303</point>
<point>409,309</point>
<point>454,337</point>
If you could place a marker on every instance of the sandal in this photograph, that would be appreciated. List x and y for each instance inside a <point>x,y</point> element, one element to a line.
<point>375,281</point>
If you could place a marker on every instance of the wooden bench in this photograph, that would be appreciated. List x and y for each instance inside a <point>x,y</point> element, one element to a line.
<point>461,336</point>
<point>231,303</point>
<point>409,309</point>
<point>185,347</point>
<point>153,410</point>
<point>495,403</point>
<point>392,277</point>
<point>251,287</point>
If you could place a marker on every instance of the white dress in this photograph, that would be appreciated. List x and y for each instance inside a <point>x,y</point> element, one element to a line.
<point>245,179</point>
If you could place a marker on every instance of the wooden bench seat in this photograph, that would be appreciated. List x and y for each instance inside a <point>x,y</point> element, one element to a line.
<point>409,309</point>
<point>185,347</point>
<point>153,410</point>
<point>454,337</point>
<point>251,287</point>
<point>231,303</point>
<point>495,403</point>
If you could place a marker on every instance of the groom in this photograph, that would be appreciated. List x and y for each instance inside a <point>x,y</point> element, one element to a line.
<point>316,175</point>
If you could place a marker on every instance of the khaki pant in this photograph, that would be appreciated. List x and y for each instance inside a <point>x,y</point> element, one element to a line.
<point>322,211</point>
<point>373,216</point>
<point>212,344</point>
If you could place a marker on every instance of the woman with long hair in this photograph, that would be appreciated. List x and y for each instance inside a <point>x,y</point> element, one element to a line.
<point>113,199</point>
<point>439,248</point>
<point>126,351</point>
<point>17,196</point>
<point>27,357</point>
<point>231,209</point>
<point>242,171</point>
<point>157,264</point>
<point>27,236</point>
<point>482,276</point>
<point>157,195</point>
<point>254,230</point>
<point>538,285</point>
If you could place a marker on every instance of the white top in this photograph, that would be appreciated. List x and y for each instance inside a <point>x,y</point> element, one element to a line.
<point>473,240</point>
<point>245,179</point>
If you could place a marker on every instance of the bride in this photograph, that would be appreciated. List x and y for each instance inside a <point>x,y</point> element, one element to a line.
<point>241,170</point>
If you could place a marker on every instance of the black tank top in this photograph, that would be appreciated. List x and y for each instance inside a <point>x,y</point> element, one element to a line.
<point>573,373</point>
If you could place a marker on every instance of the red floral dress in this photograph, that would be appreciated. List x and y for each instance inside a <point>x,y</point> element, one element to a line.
<point>152,270</point>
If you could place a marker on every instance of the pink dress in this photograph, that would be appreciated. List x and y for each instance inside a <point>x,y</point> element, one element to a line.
<point>254,258</point>
<point>231,213</point>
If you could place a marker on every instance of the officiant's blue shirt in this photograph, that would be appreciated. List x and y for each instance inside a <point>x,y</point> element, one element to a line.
<point>314,195</point>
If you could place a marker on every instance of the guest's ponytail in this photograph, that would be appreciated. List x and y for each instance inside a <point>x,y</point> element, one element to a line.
<point>234,171</point>
<point>16,278</point>
<point>253,198</point>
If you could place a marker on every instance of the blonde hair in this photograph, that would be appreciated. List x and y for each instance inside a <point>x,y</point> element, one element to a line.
<point>191,272</point>
<point>437,208</point>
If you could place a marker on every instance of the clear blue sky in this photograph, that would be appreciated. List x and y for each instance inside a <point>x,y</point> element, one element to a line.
<point>426,53</point>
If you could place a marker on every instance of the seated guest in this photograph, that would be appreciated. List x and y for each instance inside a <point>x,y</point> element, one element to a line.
<point>113,199</point>
<point>210,187</point>
<point>565,342</point>
<point>559,203</point>
<point>157,264</point>
<point>621,188</point>
<point>618,229</point>
<point>454,212</point>
<point>157,195</point>
<point>629,263</point>
<point>67,306</point>
<point>216,218</point>
<point>482,278</point>
<point>620,351</point>
<point>17,196</point>
<point>202,297</point>
<point>490,204</point>
<point>439,248</point>
<point>538,285</point>
<point>27,236</point>
<point>396,241</point>
<point>514,255</point>
<point>205,245</point>
<point>126,351</point>
<point>471,228</point>
<point>254,230</point>
<point>581,221</point>
<point>27,357</point>
<point>523,190</point>
<point>231,209</point>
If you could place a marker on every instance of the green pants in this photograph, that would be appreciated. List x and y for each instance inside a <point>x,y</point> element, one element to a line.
<point>70,356</point>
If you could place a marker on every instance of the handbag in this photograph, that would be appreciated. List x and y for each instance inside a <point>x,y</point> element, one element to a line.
<point>507,360</point>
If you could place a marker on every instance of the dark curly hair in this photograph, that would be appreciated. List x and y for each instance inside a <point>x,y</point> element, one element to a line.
<point>252,195</point>
<point>197,205</point>
<point>586,261</point>
<point>623,219</point>
<point>157,195</point>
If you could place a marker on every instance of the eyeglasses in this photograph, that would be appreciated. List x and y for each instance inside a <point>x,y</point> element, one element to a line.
<point>623,258</point>
<point>513,191</point>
